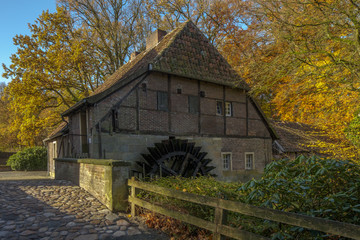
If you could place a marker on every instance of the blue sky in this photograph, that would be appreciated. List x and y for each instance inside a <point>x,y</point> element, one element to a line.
<point>14,18</point>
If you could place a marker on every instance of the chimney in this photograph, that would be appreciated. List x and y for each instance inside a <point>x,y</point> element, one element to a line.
<point>154,38</point>
<point>133,55</point>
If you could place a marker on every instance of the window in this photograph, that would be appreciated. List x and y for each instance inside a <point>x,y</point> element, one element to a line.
<point>228,109</point>
<point>162,101</point>
<point>54,149</point>
<point>249,161</point>
<point>226,159</point>
<point>193,104</point>
<point>219,108</point>
<point>115,120</point>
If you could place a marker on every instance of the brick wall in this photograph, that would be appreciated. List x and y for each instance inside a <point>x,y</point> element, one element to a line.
<point>127,118</point>
<point>75,134</point>
<point>177,120</point>
<point>153,120</point>
<point>217,133</point>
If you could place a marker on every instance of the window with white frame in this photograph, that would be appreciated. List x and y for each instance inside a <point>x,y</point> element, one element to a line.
<point>226,160</point>
<point>249,160</point>
<point>228,109</point>
<point>219,108</point>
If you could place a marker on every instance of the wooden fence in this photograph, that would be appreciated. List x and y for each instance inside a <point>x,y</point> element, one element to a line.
<point>219,227</point>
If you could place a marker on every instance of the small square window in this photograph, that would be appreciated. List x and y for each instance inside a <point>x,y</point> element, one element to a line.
<point>249,161</point>
<point>162,101</point>
<point>226,160</point>
<point>193,104</point>
<point>219,108</point>
<point>228,109</point>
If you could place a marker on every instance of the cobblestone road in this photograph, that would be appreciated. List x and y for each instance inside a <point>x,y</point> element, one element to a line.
<point>53,209</point>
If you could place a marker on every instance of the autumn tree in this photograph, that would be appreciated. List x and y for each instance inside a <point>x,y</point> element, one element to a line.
<point>52,69</point>
<point>308,68</point>
<point>8,140</point>
<point>115,28</point>
<point>300,57</point>
<point>215,18</point>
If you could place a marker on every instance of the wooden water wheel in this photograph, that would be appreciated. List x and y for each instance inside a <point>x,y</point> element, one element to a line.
<point>175,157</point>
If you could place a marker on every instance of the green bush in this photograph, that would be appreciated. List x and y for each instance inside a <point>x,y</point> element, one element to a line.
<point>34,158</point>
<point>318,187</point>
<point>313,186</point>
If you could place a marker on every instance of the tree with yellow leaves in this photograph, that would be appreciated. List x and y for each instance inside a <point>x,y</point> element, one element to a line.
<point>52,69</point>
<point>308,67</point>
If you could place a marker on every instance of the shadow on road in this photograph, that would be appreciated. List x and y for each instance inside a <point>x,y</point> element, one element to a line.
<point>54,209</point>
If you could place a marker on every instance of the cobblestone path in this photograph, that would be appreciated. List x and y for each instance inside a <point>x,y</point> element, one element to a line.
<point>53,209</point>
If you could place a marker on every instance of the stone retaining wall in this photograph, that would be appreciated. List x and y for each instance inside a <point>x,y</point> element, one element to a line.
<point>105,179</point>
<point>129,147</point>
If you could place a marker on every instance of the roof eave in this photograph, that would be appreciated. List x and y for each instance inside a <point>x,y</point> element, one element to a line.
<point>119,84</point>
<point>273,133</point>
<point>58,134</point>
<point>74,107</point>
<point>232,85</point>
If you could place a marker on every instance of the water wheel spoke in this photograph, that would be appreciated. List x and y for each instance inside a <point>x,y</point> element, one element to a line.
<point>196,151</point>
<point>199,164</point>
<point>184,163</point>
<point>168,170</point>
<point>175,157</point>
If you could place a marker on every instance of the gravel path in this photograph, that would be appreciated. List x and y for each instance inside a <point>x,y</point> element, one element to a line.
<point>53,209</point>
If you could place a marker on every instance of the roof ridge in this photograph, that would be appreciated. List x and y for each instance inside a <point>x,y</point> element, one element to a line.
<point>172,35</point>
<point>181,37</point>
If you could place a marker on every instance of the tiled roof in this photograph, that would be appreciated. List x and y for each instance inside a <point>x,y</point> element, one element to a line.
<point>296,137</point>
<point>58,131</point>
<point>184,52</point>
<point>189,54</point>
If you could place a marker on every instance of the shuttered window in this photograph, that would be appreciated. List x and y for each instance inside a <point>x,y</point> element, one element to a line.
<point>193,104</point>
<point>219,108</point>
<point>162,101</point>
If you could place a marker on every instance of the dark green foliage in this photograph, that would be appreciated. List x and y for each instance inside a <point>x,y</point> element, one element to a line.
<point>313,186</point>
<point>34,158</point>
<point>325,188</point>
<point>203,185</point>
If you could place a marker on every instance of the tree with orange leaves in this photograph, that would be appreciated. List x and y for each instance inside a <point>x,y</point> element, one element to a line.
<point>307,66</point>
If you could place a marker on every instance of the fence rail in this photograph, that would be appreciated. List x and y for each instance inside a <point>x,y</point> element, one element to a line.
<point>219,227</point>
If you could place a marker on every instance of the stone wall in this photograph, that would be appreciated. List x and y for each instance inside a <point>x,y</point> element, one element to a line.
<point>105,179</point>
<point>129,148</point>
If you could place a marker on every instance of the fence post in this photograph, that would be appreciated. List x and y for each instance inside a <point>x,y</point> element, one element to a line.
<point>220,219</point>
<point>132,195</point>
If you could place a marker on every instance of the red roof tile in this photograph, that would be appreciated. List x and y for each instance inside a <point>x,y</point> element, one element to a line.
<point>185,52</point>
<point>297,137</point>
